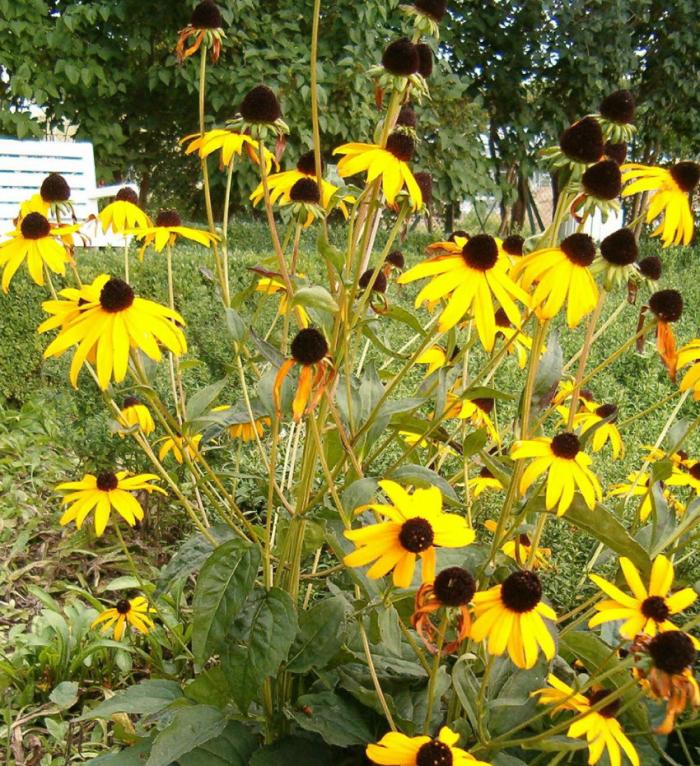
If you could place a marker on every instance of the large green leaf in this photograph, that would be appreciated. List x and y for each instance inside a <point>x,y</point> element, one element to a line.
<point>321,634</point>
<point>135,755</point>
<point>202,400</point>
<point>223,585</point>
<point>149,696</point>
<point>423,477</point>
<point>338,720</point>
<point>233,747</point>
<point>189,728</point>
<point>294,750</point>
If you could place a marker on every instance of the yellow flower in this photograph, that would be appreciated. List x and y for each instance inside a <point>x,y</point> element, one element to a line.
<point>134,414</point>
<point>647,610</point>
<point>112,323</point>
<point>124,213</point>
<point>310,352</point>
<point>34,241</point>
<point>396,749</point>
<point>271,286</point>
<point>512,616</point>
<point>416,525</point>
<point>688,478</point>
<point>389,164</point>
<point>245,431</point>
<point>671,187</point>
<point>167,229</point>
<point>473,277</point>
<point>601,728</point>
<point>483,482</point>
<point>520,549</point>
<point>180,446</point>
<point>690,355</point>
<point>561,274</point>
<point>478,412</point>
<point>637,485</point>
<point>592,416</point>
<point>206,28</point>
<point>230,143</point>
<point>132,612</point>
<point>72,303</point>
<point>103,492</point>
<point>435,357</point>
<point>567,468</point>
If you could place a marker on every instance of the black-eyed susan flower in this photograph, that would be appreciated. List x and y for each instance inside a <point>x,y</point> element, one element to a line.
<point>310,352</point>
<point>619,252</point>
<point>206,28</point>
<point>672,187</point>
<point>452,590</point>
<point>124,213</point>
<point>133,611</point>
<point>518,342</point>
<point>616,112</point>
<point>478,412</point>
<point>474,276</point>
<point>395,261</point>
<point>416,526</point>
<point>230,143</point>
<point>426,15</point>
<point>580,145</point>
<point>562,275</point>
<point>34,241</point>
<point>135,414</point>
<point>113,322</point>
<point>690,355</point>
<point>484,481</point>
<point>435,357</point>
<point>305,201</point>
<point>53,196</point>
<point>567,467</point>
<point>396,749</point>
<point>666,671</point>
<point>167,228</point>
<point>389,163</point>
<point>638,485</point>
<point>690,477</point>
<point>281,184</point>
<point>274,286</point>
<point>105,492</point>
<point>600,728</point>
<point>667,307</point>
<point>180,446</point>
<point>246,431</point>
<point>600,186</point>
<point>680,459</point>
<point>512,617</point>
<point>260,112</point>
<point>647,610</point>
<point>520,549</point>
<point>602,417</point>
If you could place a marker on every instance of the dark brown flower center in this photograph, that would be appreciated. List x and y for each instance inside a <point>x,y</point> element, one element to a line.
<point>396,259</point>
<point>260,105</point>
<point>130,401</point>
<point>458,233</point>
<point>672,651</point>
<point>686,175</point>
<point>618,107</point>
<point>416,535</point>
<point>480,252</point>
<point>35,226</point>
<point>127,194</point>
<point>380,282</point>
<point>694,471</point>
<point>651,267</point>
<point>617,152</point>
<point>436,9</point>
<point>566,445</point>
<point>454,586</point>
<point>502,319</point>
<point>484,473</point>
<point>107,481</point>
<point>523,539</point>
<point>620,248</point>
<point>667,305</point>
<point>401,146</point>
<point>305,190</point>
<point>521,591</point>
<point>425,60</point>
<point>401,58</point>
<point>425,184</point>
<point>434,753</point>
<point>54,188</point>
<point>655,608</point>
<point>579,249</point>
<point>583,141</point>
<point>607,411</point>
<point>513,245</point>
<point>306,164</point>
<point>485,404</point>
<point>603,180</point>
<point>407,117</point>
<point>206,15</point>
<point>309,346</point>
<point>168,218</point>
<point>116,296</point>
<point>608,711</point>
<point>123,606</point>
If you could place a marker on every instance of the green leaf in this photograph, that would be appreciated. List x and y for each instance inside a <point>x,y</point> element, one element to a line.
<point>687,522</point>
<point>329,253</point>
<point>130,756</point>
<point>268,638</point>
<point>236,325</point>
<point>65,695</point>
<point>400,314</point>
<point>321,634</point>
<point>223,585</point>
<point>549,373</point>
<point>339,721</point>
<point>423,477</point>
<point>233,747</point>
<point>466,686</point>
<point>201,401</point>
<point>294,750</point>
<point>189,728</point>
<point>316,297</point>
<point>144,698</point>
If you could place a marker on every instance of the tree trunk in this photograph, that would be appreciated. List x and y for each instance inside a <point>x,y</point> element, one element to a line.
<point>449,217</point>
<point>144,188</point>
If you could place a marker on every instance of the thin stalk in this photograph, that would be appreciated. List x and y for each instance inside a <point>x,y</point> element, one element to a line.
<point>430,698</point>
